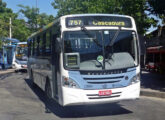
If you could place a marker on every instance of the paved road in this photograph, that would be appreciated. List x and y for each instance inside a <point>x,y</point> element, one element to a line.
<point>19,101</point>
<point>153,80</point>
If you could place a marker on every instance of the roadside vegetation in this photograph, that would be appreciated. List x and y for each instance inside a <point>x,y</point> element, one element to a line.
<point>141,10</point>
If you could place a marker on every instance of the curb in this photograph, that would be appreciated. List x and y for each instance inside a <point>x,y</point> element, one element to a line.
<point>7,72</point>
<point>152,93</point>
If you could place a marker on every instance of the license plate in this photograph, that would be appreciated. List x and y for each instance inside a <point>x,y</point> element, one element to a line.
<point>24,66</point>
<point>105,92</point>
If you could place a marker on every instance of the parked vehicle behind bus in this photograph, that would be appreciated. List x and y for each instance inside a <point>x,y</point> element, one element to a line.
<point>7,52</point>
<point>155,59</point>
<point>86,59</point>
<point>20,56</point>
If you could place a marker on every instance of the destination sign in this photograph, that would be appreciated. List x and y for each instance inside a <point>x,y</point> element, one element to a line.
<point>75,22</point>
<point>23,45</point>
<point>98,21</point>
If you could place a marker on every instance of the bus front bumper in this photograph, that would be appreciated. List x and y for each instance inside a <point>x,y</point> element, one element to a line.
<point>80,97</point>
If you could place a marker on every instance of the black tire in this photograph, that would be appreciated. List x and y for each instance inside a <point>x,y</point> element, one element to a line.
<point>16,71</point>
<point>3,66</point>
<point>32,79</point>
<point>48,93</point>
<point>48,90</point>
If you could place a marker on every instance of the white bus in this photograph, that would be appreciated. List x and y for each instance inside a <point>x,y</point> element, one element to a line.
<point>20,56</point>
<point>86,59</point>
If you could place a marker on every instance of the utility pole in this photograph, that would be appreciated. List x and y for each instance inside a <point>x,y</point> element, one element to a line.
<point>10,34</point>
<point>36,3</point>
<point>36,15</point>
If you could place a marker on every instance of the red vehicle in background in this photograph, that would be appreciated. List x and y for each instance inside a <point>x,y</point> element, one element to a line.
<point>155,59</point>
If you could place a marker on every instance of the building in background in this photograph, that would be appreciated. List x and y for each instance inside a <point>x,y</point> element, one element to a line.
<point>155,50</point>
<point>156,38</point>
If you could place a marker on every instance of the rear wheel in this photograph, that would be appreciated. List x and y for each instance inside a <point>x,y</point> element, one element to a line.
<point>48,90</point>
<point>32,79</point>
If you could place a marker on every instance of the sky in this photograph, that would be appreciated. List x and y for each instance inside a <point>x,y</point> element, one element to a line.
<point>44,6</point>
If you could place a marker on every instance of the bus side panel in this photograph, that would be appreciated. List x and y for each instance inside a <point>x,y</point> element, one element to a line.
<point>45,71</point>
<point>42,71</point>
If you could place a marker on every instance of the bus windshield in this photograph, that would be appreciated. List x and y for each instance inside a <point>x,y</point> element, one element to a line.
<point>93,50</point>
<point>21,52</point>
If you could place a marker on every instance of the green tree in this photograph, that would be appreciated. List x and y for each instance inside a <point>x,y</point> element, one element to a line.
<point>134,8</point>
<point>5,13</point>
<point>157,7</point>
<point>31,14</point>
<point>35,21</point>
<point>137,9</point>
<point>19,27</point>
<point>43,19</point>
<point>21,31</point>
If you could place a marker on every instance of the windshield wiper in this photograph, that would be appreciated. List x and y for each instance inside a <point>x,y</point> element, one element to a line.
<point>110,46</point>
<point>89,34</point>
<point>114,37</point>
<point>97,63</point>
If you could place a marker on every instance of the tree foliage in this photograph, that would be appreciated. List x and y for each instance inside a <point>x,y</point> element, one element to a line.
<point>19,28</point>
<point>134,8</point>
<point>5,13</point>
<point>157,7</point>
<point>35,21</point>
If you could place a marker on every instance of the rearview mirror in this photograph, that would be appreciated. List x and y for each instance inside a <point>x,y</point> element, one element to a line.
<point>58,45</point>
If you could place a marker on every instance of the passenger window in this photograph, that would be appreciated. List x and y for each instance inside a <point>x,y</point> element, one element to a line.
<point>44,44</point>
<point>38,46</point>
<point>48,43</point>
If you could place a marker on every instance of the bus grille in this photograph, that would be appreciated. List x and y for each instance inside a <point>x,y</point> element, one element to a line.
<point>103,72</point>
<point>96,96</point>
<point>103,80</point>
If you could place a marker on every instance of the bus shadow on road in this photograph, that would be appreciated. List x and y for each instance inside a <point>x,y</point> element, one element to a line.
<point>78,111</point>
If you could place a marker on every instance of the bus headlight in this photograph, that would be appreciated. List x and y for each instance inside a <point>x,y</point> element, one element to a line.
<point>135,79</point>
<point>68,82</point>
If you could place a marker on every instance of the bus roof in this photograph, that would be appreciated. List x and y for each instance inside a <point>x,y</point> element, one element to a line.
<point>76,15</point>
<point>96,14</point>
<point>22,43</point>
<point>11,40</point>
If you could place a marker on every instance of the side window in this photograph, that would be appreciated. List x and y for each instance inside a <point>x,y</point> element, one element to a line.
<point>31,52</point>
<point>29,47</point>
<point>34,46</point>
<point>56,33</point>
<point>43,44</point>
<point>38,46</point>
<point>56,30</point>
<point>48,42</point>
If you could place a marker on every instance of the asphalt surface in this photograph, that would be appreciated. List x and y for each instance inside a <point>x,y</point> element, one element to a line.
<point>153,80</point>
<point>20,101</point>
<point>152,84</point>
